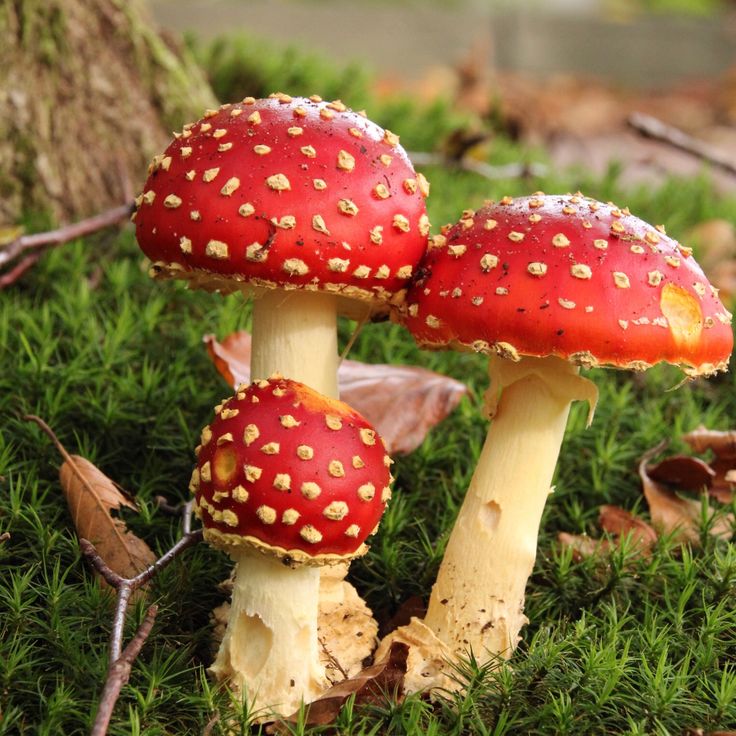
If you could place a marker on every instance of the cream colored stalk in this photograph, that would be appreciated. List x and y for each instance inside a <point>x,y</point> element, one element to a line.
<point>270,651</point>
<point>477,602</point>
<point>295,334</point>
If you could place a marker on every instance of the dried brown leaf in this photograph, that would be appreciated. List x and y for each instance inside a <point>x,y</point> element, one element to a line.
<point>675,514</point>
<point>619,522</point>
<point>371,686</point>
<point>723,444</point>
<point>92,497</point>
<point>583,546</point>
<point>413,607</point>
<point>683,471</point>
<point>715,241</point>
<point>402,402</point>
<point>723,447</point>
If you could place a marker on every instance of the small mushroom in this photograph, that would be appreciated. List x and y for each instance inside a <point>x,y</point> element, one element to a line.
<point>544,285</point>
<point>277,487</point>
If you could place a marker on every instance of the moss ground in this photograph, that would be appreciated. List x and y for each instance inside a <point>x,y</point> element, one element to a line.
<point>115,364</point>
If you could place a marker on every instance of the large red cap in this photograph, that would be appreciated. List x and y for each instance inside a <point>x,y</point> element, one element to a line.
<point>565,275</point>
<point>285,192</point>
<point>287,471</point>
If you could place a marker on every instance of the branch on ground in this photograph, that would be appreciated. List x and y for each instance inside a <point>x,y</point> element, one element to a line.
<point>651,127</point>
<point>20,254</point>
<point>121,660</point>
<point>119,672</point>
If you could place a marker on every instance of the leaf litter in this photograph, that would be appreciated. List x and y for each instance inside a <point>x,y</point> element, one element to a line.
<point>371,686</point>
<point>665,485</point>
<point>402,402</point>
<point>92,498</point>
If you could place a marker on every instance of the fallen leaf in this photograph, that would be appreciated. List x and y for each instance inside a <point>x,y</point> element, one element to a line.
<point>675,514</point>
<point>723,447</point>
<point>91,497</point>
<point>9,233</point>
<point>371,686</point>
<point>702,439</point>
<point>619,523</point>
<point>683,471</point>
<point>402,402</point>
<point>583,546</point>
<point>723,277</point>
<point>715,243</point>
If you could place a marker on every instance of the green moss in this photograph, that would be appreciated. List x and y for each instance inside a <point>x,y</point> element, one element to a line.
<point>115,364</point>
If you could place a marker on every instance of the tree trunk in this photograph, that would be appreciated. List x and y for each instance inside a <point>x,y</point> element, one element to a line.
<point>89,92</point>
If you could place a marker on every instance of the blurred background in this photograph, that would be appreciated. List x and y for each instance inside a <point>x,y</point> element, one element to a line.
<point>563,93</point>
<point>565,74</point>
<point>644,43</point>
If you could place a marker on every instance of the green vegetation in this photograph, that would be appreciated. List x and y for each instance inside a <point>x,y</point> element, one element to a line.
<point>115,364</point>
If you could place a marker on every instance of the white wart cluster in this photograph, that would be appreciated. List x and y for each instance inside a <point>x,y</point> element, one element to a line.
<point>290,472</point>
<point>569,276</point>
<point>290,192</point>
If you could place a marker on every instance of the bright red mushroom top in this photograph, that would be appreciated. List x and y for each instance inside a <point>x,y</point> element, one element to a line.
<point>290,192</point>
<point>568,276</point>
<point>287,471</point>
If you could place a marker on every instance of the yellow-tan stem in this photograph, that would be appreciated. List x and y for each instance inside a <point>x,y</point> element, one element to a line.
<point>270,651</point>
<point>295,334</point>
<point>477,602</point>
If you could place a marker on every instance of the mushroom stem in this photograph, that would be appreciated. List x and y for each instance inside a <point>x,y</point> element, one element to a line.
<point>295,335</point>
<point>270,651</point>
<point>477,602</point>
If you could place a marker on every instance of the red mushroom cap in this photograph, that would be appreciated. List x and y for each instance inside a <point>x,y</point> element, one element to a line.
<point>568,276</point>
<point>287,471</point>
<point>287,192</point>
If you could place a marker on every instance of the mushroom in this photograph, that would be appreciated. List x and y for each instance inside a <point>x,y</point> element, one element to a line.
<point>544,285</point>
<point>287,480</point>
<point>311,208</point>
<point>306,204</point>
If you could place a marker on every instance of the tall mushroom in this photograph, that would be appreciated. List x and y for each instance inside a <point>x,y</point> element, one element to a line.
<point>303,203</point>
<point>544,285</point>
<point>287,480</point>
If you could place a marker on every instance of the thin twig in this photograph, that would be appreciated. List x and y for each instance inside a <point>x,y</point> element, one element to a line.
<point>30,244</point>
<point>119,672</point>
<point>358,327</point>
<point>332,659</point>
<point>493,173</point>
<point>12,275</point>
<point>120,659</point>
<point>211,724</point>
<point>651,127</point>
<point>126,586</point>
<point>184,509</point>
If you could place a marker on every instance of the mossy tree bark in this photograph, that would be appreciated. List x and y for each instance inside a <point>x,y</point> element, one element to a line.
<point>89,92</point>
